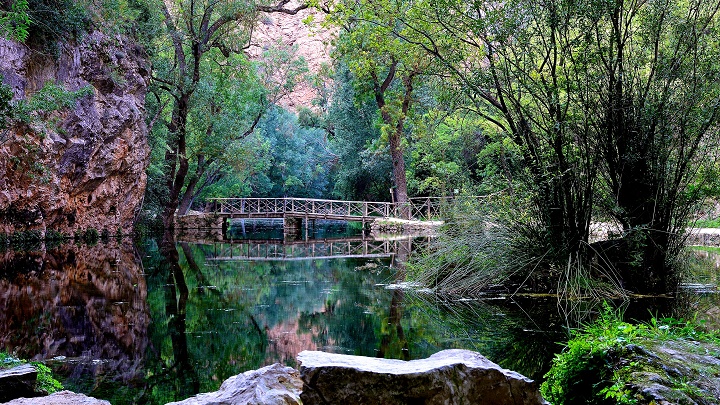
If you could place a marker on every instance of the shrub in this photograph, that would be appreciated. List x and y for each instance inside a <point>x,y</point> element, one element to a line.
<point>606,362</point>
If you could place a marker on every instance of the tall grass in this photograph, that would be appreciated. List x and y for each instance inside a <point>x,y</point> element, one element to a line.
<point>498,245</point>
<point>481,246</point>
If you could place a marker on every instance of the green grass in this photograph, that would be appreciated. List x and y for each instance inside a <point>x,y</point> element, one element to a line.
<point>706,223</point>
<point>45,381</point>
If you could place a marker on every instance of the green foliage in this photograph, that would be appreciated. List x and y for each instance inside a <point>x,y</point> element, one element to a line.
<point>363,166</point>
<point>6,106</point>
<point>50,98</point>
<point>46,383</point>
<point>299,163</point>
<point>54,21</point>
<point>14,23</point>
<point>24,237</point>
<point>598,365</point>
<point>90,236</point>
<point>706,223</point>
<point>52,234</point>
<point>37,116</point>
<point>487,241</point>
<point>37,109</point>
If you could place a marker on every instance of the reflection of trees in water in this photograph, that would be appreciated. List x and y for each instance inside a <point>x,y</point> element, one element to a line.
<point>516,334</point>
<point>241,315</point>
<point>82,302</point>
<point>362,318</point>
<point>699,295</point>
<point>201,333</point>
<point>393,338</point>
<point>176,297</point>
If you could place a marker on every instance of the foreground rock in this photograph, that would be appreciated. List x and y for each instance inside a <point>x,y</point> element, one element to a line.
<point>672,372</point>
<point>60,398</point>
<point>17,382</point>
<point>661,363</point>
<point>270,385</point>
<point>447,377</point>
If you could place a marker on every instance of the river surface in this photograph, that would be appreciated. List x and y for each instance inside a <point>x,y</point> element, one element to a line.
<point>143,324</point>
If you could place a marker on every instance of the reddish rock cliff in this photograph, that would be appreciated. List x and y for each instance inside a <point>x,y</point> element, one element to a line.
<point>86,169</point>
<point>312,42</point>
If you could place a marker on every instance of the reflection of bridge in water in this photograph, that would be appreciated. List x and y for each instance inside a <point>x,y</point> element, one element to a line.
<point>286,250</point>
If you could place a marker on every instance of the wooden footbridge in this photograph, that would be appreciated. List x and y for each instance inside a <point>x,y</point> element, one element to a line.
<point>417,209</point>
<point>284,250</point>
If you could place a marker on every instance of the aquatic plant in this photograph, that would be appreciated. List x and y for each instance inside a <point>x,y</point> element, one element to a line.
<point>498,243</point>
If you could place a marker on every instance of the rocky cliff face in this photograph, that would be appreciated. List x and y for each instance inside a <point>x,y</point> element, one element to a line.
<point>312,43</point>
<point>85,169</point>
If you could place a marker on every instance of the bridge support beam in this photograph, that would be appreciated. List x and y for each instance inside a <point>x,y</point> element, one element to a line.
<point>292,227</point>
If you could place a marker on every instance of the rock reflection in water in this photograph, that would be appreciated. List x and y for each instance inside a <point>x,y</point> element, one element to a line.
<point>76,301</point>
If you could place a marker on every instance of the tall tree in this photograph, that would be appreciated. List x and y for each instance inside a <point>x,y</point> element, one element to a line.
<point>605,99</point>
<point>385,68</point>
<point>363,167</point>
<point>192,30</point>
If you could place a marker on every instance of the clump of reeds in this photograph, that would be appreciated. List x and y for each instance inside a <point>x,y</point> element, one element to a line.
<point>498,245</point>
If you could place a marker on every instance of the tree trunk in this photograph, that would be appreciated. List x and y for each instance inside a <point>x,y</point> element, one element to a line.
<point>398,163</point>
<point>176,158</point>
<point>189,194</point>
<point>395,137</point>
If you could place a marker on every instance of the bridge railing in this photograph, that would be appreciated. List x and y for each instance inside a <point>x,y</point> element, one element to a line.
<point>302,206</point>
<point>421,208</point>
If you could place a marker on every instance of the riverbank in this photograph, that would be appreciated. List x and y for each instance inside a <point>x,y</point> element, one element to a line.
<point>665,361</point>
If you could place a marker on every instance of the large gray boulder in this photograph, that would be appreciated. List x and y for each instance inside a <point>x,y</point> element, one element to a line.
<point>448,377</point>
<point>271,385</point>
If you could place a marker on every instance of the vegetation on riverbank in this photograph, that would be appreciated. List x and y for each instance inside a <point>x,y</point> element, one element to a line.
<point>46,382</point>
<point>615,362</point>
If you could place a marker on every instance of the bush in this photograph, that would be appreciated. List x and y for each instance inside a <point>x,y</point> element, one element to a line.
<point>607,362</point>
<point>485,243</point>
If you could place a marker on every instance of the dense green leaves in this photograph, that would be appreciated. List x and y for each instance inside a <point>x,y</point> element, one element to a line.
<point>14,23</point>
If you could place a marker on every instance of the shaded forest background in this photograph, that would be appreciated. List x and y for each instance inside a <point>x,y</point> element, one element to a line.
<point>566,113</point>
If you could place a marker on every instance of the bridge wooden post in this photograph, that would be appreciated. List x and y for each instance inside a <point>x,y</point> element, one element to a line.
<point>224,227</point>
<point>291,227</point>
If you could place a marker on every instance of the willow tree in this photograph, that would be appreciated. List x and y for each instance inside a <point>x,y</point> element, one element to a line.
<point>612,103</point>
<point>189,34</point>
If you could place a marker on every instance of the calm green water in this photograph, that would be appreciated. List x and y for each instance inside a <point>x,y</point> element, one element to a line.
<point>133,325</point>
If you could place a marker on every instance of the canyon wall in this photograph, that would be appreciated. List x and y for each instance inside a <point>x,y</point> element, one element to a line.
<point>84,167</point>
<point>312,42</point>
